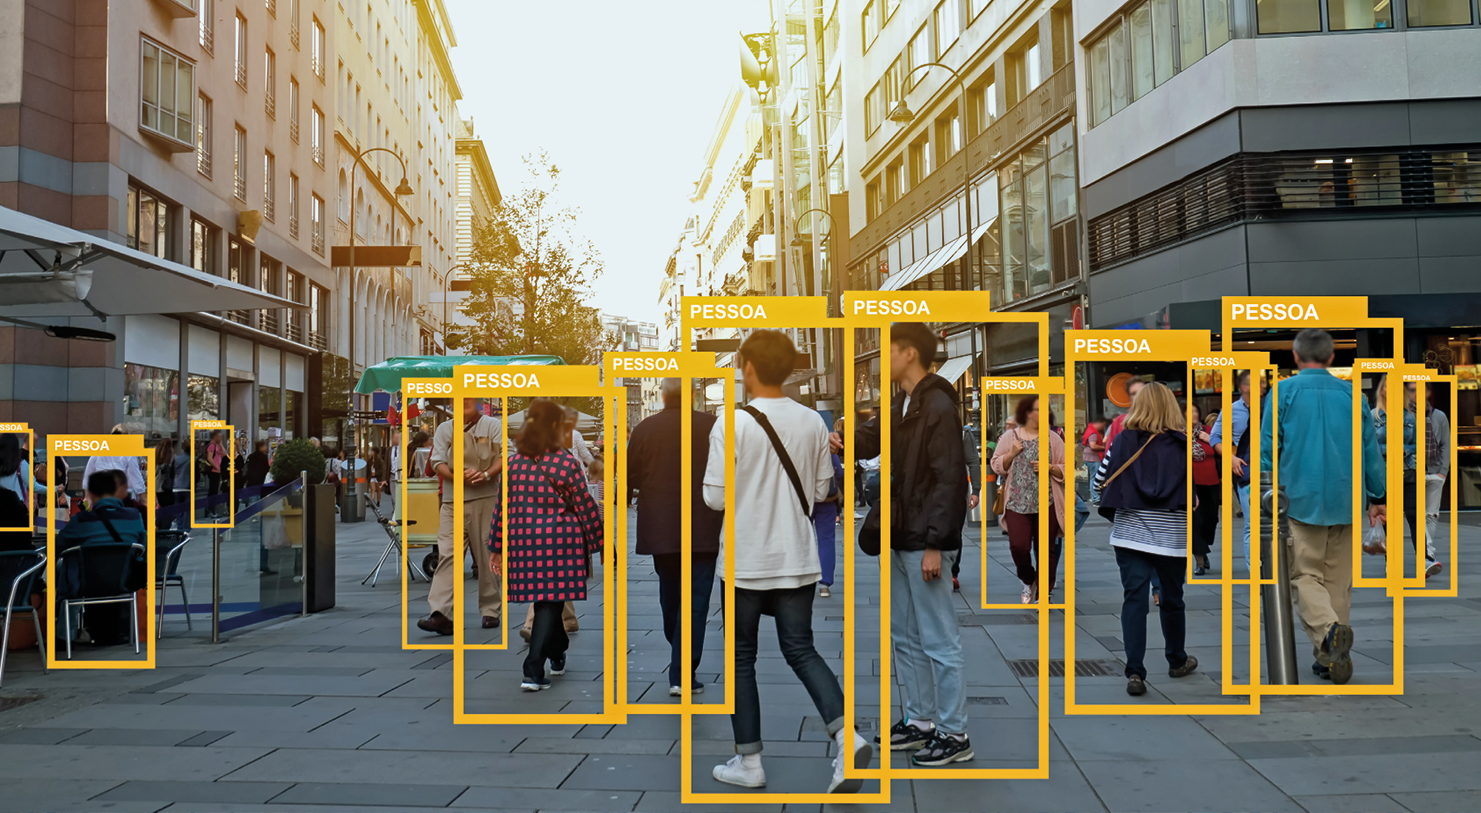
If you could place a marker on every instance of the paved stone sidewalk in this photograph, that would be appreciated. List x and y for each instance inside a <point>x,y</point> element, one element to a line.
<point>327,713</point>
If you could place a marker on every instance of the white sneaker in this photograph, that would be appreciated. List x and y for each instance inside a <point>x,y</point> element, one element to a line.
<point>1028,594</point>
<point>862,753</point>
<point>1432,568</point>
<point>824,592</point>
<point>735,772</point>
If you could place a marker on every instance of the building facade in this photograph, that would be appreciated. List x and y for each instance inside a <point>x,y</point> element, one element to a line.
<point>193,130</point>
<point>961,174</point>
<point>477,195</point>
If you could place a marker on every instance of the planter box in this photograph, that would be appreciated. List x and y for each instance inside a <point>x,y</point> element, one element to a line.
<point>318,549</point>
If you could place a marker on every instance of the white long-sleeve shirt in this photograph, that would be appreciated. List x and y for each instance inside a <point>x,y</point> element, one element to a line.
<point>128,465</point>
<point>775,543</point>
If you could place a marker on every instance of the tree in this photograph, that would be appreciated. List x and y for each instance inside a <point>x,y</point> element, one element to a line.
<point>531,274</point>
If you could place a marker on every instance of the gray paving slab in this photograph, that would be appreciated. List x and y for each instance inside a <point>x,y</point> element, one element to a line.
<point>625,772</point>
<point>280,700</point>
<point>1138,738</point>
<point>323,793</point>
<point>546,799</point>
<point>239,792</point>
<point>1391,773</point>
<point>1436,801</point>
<point>440,768</point>
<point>1351,803</point>
<point>200,718</point>
<point>1171,784</point>
<point>38,736</point>
<point>133,736</point>
<point>30,795</point>
<point>122,763</point>
<point>291,684</point>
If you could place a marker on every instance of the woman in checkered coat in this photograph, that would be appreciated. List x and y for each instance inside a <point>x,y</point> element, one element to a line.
<point>554,525</point>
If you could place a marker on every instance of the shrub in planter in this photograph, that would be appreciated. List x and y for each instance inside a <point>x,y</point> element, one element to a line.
<point>296,456</point>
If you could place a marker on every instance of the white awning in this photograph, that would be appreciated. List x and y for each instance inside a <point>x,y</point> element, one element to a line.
<point>952,369</point>
<point>949,253</point>
<point>49,271</point>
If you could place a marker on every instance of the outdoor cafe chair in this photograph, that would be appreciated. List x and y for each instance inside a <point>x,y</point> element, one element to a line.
<point>104,569</point>
<point>18,572</point>
<point>172,543</point>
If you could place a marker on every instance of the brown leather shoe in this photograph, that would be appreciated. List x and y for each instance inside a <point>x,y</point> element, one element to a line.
<point>490,622</point>
<point>436,622</point>
<point>524,632</point>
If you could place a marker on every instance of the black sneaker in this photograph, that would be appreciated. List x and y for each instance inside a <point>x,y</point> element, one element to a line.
<point>1323,672</point>
<point>558,665</point>
<point>944,749</point>
<point>1338,645</point>
<point>906,737</point>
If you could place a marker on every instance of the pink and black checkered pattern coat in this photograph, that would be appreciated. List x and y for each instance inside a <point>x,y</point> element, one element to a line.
<point>554,525</point>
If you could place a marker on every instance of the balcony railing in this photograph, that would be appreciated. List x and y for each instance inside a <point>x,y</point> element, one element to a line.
<point>295,328</point>
<point>317,341</point>
<point>242,75</point>
<point>240,317</point>
<point>268,209</point>
<point>318,241</point>
<point>270,104</point>
<point>293,35</point>
<point>293,225</point>
<point>241,187</point>
<point>269,322</point>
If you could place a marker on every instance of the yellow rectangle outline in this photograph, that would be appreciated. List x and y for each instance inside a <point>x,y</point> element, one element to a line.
<point>135,442</point>
<point>404,565</point>
<point>1186,343</point>
<point>229,474</point>
<point>1420,502</point>
<point>15,428</point>
<point>565,387</point>
<point>688,367</point>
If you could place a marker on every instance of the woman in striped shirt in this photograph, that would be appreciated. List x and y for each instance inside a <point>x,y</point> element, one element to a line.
<point>1143,481</point>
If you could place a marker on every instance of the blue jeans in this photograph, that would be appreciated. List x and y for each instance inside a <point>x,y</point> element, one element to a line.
<point>1243,493</point>
<point>669,568</point>
<point>928,643</point>
<point>1137,569</point>
<point>792,610</point>
<point>824,517</point>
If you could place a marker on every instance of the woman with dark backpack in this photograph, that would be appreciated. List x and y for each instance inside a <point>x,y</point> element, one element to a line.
<point>1143,482</point>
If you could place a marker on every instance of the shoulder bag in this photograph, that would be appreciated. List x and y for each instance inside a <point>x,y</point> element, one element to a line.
<point>781,451</point>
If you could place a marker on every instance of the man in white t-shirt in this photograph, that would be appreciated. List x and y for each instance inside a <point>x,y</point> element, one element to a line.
<point>776,553</point>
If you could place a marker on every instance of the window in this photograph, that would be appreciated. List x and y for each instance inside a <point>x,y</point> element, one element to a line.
<point>1355,16</point>
<point>919,52</point>
<point>318,315</point>
<point>893,82</point>
<point>873,109</point>
<point>239,163</point>
<point>871,23</point>
<point>948,136</point>
<point>207,19</point>
<point>983,100</point>
<point>149,219</point>
<point>1149,44</point>
<point>316,49</point>
<point>1439,12</point>
<point>203,135</point>
<point>1289,16</point>
<point>296,293</point>
<point>167,93</point>
<point>270,83</point>
<point>241,50</point>
<point>292,206</point>
<point>920,159</point>
<point>948,24</point>
<point>203,247</point>
<point>897,181</point>
<point>293,23</point>
<point>293,108</point>
<point>874,199</point>
<point>236,271</point>
<point>269,181</point>
<point>1023,67</point>
<point>1190,32</point>
<point>1117,39</point>
<point>316,222</point>
<point>1062,50</point>
<point>317,136</point>
<point>976,7</point>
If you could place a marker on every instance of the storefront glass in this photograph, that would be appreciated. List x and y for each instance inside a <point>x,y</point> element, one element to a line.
<point>152,399</point>
<point>205,398</point>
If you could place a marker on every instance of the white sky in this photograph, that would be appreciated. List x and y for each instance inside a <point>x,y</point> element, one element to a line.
<point>623,95</point>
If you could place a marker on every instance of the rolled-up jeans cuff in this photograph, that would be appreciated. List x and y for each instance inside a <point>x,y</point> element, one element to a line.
<point>748,748</point>
<point>835,726</point>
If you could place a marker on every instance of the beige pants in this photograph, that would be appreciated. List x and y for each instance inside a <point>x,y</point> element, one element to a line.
<point>1321,576</point>
<point>477,515</point>
<point>568,617</point>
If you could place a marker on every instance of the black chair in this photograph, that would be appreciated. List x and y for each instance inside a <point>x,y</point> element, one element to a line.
<point>169,545</point>
<point>19,570</point>
<point>104,572</point>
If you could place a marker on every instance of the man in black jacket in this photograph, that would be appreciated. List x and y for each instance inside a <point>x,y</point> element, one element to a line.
<point>653,470</point>
<point>928,505</point>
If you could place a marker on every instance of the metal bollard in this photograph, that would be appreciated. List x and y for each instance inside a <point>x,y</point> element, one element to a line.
<point>1275,599</point>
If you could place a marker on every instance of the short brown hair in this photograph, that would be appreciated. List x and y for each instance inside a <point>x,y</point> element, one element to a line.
<point>772,355</point>
<point>918,336</point>
<point>542,429</point>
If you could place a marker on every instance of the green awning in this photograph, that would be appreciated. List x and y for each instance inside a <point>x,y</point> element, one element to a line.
<point>388,374</point>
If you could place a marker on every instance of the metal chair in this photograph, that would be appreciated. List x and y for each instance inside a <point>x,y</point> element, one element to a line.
<point>172,543</point>
<point>393,530</point>
<point>102,567</point>
<point>19,569</point>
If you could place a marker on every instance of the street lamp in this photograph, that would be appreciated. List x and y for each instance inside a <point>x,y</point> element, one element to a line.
<point>902,114</point>
<point>403,189</point>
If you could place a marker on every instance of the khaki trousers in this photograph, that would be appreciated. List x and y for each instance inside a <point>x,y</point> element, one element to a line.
<point>1321,576</point>
<point>477,515</point>
<point>568,617</point>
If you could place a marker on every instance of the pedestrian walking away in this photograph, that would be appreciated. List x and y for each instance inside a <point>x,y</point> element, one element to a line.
<point>654,464</point>
<point>1315,435</point>
<point>971,449</point>
<point>1206,489</point>
<point>554,527</point>
<point>1436,431</point>
<point>1232,437</point>
<point>782,468</point>
<point>1017,460</point>
<point>929,491</point>
<point>483,461</point>
<point>1143,483</point>
<point>825,523</point>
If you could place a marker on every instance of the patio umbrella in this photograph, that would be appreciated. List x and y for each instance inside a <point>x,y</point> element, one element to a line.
<point>388,374</point>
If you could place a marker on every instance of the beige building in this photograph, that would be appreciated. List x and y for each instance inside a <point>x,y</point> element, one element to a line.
<point>195,131</point>
<point>477,195</point>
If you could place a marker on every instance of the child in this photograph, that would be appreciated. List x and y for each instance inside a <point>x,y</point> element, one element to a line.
<point>596,485</point>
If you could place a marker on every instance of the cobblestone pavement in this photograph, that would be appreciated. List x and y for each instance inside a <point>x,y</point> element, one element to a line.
<point>328,713</point>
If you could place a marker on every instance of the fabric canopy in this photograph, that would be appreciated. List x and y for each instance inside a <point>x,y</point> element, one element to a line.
<point>584,423</point>
<point>952,369</point>
<point>388,374</point>
<point>49,271</point>
<point>949,253</point>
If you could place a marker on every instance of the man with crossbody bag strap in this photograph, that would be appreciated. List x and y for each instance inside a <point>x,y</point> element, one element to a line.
<point>782,467</point>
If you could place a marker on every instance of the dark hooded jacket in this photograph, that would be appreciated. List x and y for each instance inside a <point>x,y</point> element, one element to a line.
<point>928,467</point>
<point>1156,481</point>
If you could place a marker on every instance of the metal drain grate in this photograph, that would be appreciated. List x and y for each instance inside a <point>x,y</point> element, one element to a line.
<point>1030,668</point>
<point>987,701</point>
<point>8,703</point>
<point>996,619</point>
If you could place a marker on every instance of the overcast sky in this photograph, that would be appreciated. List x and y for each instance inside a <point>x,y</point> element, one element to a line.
<point>623,95</point>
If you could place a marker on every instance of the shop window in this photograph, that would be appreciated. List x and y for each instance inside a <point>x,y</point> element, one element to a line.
<point>150,222</point>
<point>203,237</point>
<point>152,398</point>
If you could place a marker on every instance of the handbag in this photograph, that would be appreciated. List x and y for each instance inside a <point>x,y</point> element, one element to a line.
<point>998,498</point>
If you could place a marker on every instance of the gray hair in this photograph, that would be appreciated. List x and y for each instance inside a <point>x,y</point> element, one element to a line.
<point>1313,345</point>
<point>672,390</point>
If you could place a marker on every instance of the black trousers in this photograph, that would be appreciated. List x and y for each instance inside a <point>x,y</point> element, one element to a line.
<point>1205,518</point>
<point>548,639</point>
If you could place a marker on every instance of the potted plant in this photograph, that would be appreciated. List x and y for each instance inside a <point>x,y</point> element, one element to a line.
<point>294,457</point>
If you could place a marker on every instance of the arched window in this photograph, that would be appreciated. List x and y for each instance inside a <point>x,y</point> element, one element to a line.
<point>360,208</point>
<point>344,197</point>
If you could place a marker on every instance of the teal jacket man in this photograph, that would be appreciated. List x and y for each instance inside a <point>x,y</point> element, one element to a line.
<point>1315,409</point>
